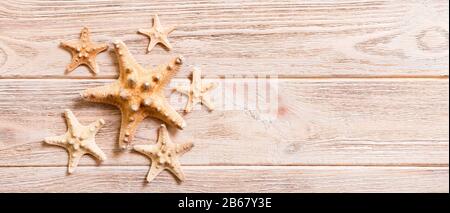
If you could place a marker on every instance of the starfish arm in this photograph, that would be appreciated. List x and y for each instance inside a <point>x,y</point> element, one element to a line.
<point>189,104</point>
<point>97,48</point>
<point>169,30</point>
<point>151,44</point>
<point>154,171</point>
<point>147,150</point>
<point>85,35</point>
<point>207,102</point>
<point>185,91</point>
<point>70,45</point>
<point>74,159</point>
<point>180,149</point>
<point>208,87</point>
<point>163,134</point>
<point>182,90</point>
<point>73,65</point>
<point>167,72</point>
<point>96,126</point>
<point>126,61</point>
<point>92,148</point>
<point>164,41</point>
<point>93,65</point>
<point>128,127</point>
<point>57,140</point>
<point>145,32</point>
<point>175,169</point>
<point>156,22</point>
<point>167,114</point>
<point>72,123</point>
<point>103,94</point>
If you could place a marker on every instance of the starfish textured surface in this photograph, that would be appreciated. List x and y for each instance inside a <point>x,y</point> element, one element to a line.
<point>197,92</point>
<point>164,155</point>
<point>78,140</point>
<point>138,93</point>
<point>157,34</point>
<point>83,52</point>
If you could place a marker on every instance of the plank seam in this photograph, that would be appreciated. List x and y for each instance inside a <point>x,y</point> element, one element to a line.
<point>260,167</point>
<point>251,165</point>
<point>250,77</point>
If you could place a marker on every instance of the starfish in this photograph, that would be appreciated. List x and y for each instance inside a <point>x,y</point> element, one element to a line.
<point>197,92</point>
<point>78,140</point>
<point>157,34</point>
<point>164,155</point>
<point>83,52</point>
<point>138,93</point>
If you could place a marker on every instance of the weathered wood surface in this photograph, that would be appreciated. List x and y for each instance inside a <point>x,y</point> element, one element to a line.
<point>228,179</point>
<point>355,122</point>
<point>285,38</point>
<point>362,97</point>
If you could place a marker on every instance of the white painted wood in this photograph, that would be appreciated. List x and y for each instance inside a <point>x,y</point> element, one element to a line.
<point>363,101</point>
<point>319,122</point>
<point>227,179</point>
<point>285,38</point>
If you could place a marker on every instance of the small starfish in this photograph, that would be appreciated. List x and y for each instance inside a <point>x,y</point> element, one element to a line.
<point>83,52</point>
<point>157,34</point>
<point>138,92</point>
<point>164,155</point>
<point>197,92</point>
<point>78,140</point>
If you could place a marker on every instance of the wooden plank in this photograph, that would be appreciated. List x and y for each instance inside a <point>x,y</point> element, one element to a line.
<point>318,122</point>
<point>227,179</point>
<point>285,38</point>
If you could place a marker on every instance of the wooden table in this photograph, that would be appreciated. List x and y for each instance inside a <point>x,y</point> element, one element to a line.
<point>362,95</point>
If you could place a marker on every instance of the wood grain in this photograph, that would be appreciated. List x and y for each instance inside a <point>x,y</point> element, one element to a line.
<point>236,38</point>
<point>228,179</point>
<point>318,122</point>
<point>362,102</point>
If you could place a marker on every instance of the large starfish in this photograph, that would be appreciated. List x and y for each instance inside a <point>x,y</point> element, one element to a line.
<point>78,140</point>
<point>164,155</point>
<point>138,92</point>
<point>197,92</point>
<point>157,34</point>
<point>83,52</point>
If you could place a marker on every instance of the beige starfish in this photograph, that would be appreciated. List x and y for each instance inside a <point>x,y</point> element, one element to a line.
<point>78,140</point>
<point>164,155</point>
<point>138,92</point>
<point>197,92</point>
<point>83,52</point>
<point>157,34</point>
